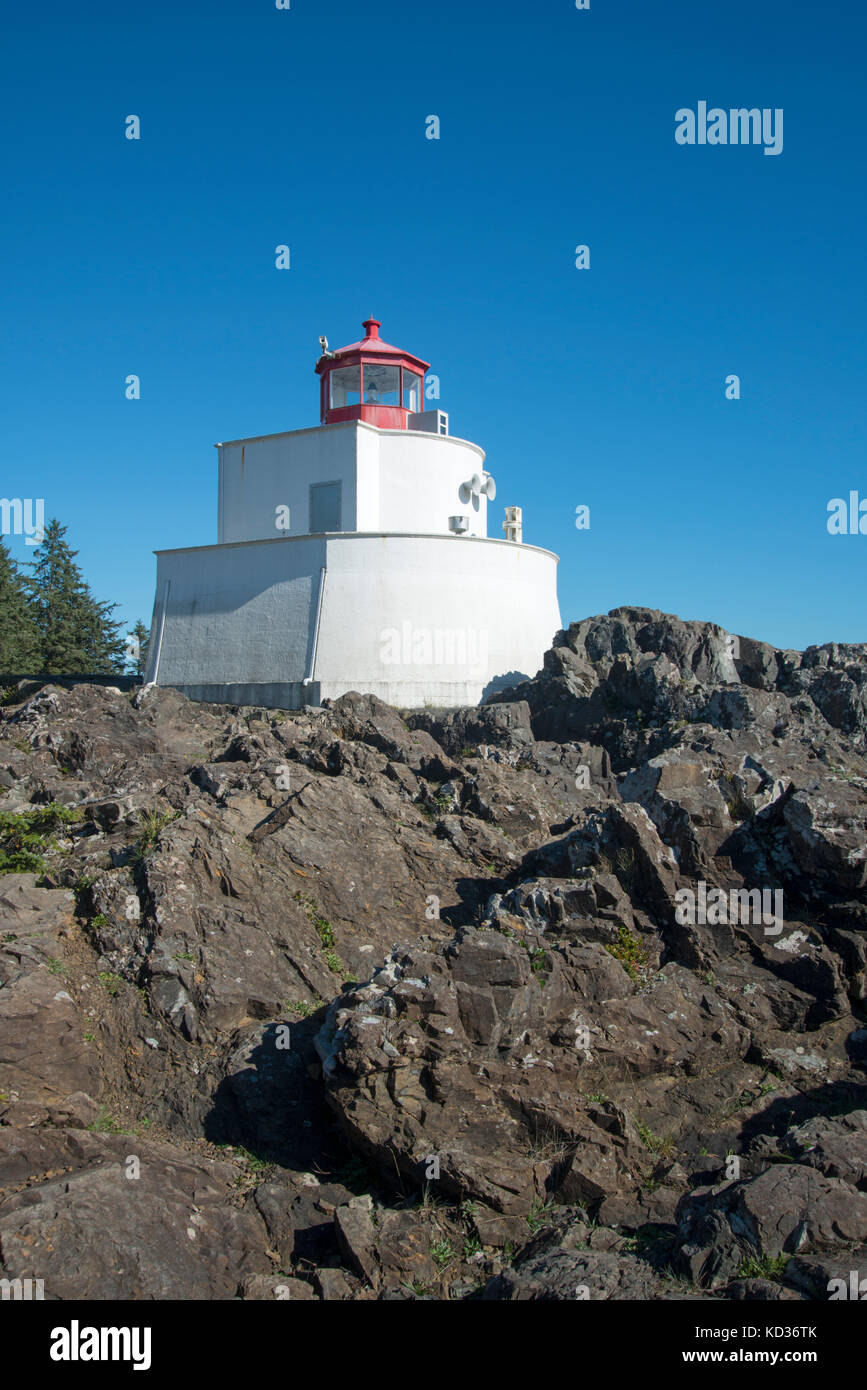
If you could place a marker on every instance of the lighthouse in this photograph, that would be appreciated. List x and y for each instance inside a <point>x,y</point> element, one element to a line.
<point>355,555</point>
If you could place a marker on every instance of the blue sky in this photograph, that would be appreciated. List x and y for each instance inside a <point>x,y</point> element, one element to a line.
<point>602,387</point>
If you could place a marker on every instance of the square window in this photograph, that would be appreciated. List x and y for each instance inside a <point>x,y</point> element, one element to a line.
<point>325,507</point>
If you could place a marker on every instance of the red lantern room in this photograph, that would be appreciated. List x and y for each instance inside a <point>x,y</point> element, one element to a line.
<point>372,381</point>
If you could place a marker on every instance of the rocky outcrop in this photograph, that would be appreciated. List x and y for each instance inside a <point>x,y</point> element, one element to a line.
<point>565,992</point>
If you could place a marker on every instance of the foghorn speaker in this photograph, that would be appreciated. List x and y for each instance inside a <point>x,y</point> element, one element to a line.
<point>489,488</point>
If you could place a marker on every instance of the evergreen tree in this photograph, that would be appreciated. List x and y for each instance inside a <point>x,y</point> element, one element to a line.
<point>138,659</point>
<point>78,635</point>
<point>104,643</point>
<point>19,635</point>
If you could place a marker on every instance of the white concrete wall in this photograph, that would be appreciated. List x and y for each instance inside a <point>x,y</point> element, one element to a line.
<point>428,600</point>
<point>392,480</point>
<point>236,613</point>
<point>420,476</point>
<point>438,620</point>
<point>367,483</point>
<point>258,475</point>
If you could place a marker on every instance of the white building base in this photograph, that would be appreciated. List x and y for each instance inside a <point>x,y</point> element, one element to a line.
<point>415,619</point>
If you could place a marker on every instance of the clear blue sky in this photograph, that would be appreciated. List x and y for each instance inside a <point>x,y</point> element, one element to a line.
<point>604,387</point>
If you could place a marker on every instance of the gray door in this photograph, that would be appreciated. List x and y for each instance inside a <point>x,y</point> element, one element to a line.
<point>325,507</point>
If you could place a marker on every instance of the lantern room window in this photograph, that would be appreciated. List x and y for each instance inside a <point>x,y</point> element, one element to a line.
<point>381,384</point>
<point>370,381</point>
<point>411,391</point>
<point>345,387</point>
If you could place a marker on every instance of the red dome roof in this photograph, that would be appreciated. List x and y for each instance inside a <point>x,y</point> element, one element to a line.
<point>373,345</point>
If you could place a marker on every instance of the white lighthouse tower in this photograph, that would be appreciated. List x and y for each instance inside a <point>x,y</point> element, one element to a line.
<point>355,556</point>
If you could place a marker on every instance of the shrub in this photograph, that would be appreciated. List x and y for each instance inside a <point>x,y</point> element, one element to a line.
<point>25,836</point>
<point>629,951</point>
<point>764,1267</point>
